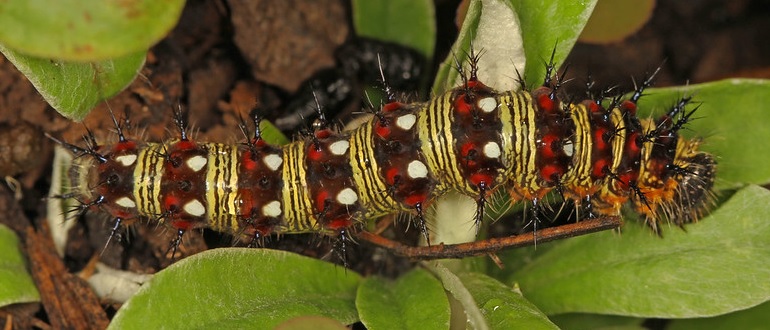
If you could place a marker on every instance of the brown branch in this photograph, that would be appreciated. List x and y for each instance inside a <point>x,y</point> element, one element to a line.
<point>442,251</point>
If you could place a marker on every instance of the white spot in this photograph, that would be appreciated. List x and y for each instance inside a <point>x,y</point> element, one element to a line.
<point>406,122</point>
<point>196,163</point>
<point>492,150</point>
<point>194,208</point>
<point>568,148</point>
<point>347,197</point>
<point>417,170</point>
<point>125,202</point>
<point>487,104</point>
<point>126,160</point>
<point>340,147</point>
<point>272,209</point>
<point>273,161</point>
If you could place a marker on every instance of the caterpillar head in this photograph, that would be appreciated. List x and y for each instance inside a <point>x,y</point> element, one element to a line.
<point>693,195</point>
<point>686,194</point>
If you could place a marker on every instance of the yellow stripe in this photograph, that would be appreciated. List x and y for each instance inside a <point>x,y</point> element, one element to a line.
<point>232,196</point>
<point>508,139</point>
<point>297,206</point>
<point>522,136</point>
<point>369,183</point>
<point>148,175</point>
<point>221,199</point>
<point>579,173</point>
<point>532,145</point>
<point>647,126</point>
<point>524,114</point>
<point>213,206</point>
<point>438,144</point>
<point>429,145</point>
<point>619,141</point>
<point>451,162</point>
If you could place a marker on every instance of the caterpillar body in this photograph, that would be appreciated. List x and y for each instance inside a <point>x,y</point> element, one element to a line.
<point>472,139</point>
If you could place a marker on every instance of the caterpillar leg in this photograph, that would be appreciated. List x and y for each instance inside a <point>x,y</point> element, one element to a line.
<point>174,244</point>
<point>114,233</point>
<point>421,223</point>
<point>341,245</point>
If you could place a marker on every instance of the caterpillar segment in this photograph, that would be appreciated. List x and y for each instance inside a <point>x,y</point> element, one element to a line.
<point>472,139</point>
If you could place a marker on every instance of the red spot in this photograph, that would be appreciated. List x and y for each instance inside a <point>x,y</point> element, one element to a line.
<point>391,174</point>
<point>629,106</point>
<point>626,178</point>
<point>465,151</point>
<point>633,147</point>
<point>546,147</point>
<point>477,178</point>
<point>414,199</point>
<point>551,173</point>
<point>472,84</point>
<point>182,224</point>
<point>125,146</point>
<point>259,143</point>
<point>122,214</point>
<point>382,131</point>
<point>339,223</point>
<point>545,103</point>
<point>247,202</point>
<point>594,107</point>
<point>171,202</point>
<point>185,145</point>
<point>322,134</point>
<point>247,162</point>
<point>392,106</point>
<point>467,148</point>
<point>599,143</point>
<point>314,153</point>
<point>599,168</point>
<point>461,106</point>
<point>320,199</point>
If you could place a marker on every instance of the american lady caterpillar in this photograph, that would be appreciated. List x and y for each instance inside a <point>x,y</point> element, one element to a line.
<point>472,139</point>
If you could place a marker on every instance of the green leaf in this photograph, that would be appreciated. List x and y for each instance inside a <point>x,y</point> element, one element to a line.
<point>613,21</point>
<point>753,318</point>
<point>730,119</point>
<point>241,288</point>
<point>16,285</point>
<point>503,307</point>
<point>596,321</point>
<point>87,31</point>
<point>488,303</point>
<point>415,300</point>
<point>411,23</point>
<point>272,134</point>
<point>514,35</point>
<point>548,25</point>
<point>73,89</point>
<point>717,266</point>
<point>452,284</point>
<point>312,322</point>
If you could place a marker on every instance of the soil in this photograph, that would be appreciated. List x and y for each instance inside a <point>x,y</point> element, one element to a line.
<point>226,56</point>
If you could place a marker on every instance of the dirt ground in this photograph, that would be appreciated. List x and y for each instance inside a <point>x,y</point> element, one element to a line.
<point>224,57</point>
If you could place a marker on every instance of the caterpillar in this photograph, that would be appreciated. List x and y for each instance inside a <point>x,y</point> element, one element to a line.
<point>472,139</point>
